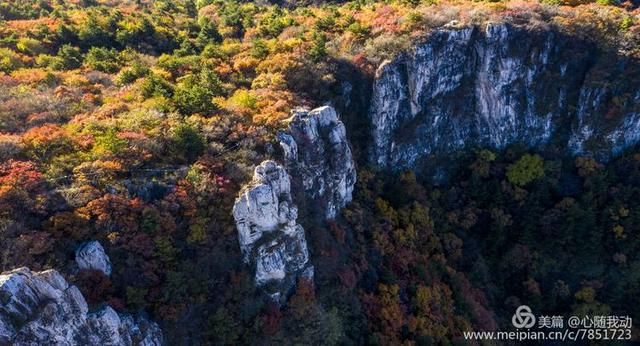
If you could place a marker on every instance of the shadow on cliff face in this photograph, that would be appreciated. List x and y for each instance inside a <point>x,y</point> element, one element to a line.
<point>349,93</point>
<point>352,97</point>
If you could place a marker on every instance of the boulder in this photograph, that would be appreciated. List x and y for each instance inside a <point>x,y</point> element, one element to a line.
<point>91,255</point>
<point>39,308</point>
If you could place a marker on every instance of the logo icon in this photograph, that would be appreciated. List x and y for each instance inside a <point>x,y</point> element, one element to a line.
<point>523,318</point>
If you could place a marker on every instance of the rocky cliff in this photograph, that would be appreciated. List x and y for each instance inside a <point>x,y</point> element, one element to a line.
<point>270,237</point>
<point>317,152</point>
<point>38,308</point>
<point>317,155</point>
<point>498,85</point>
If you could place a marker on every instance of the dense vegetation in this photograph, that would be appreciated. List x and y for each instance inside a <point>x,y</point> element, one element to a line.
<point>558,235</point>
<point>135,123</point>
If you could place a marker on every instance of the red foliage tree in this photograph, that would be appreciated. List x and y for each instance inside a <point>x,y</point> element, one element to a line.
<point>271,319</point>
<point>20,184</point>
<point>115,213</point>
<point>20,174</point>
<point>302,301</point>
<point>94,285</point>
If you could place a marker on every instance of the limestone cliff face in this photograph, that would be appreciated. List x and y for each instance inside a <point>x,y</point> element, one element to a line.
<point>498,85</point>
<point>317,152</point>
<point>41,308</point>
<point>318,156</point>
<point>270,237</point>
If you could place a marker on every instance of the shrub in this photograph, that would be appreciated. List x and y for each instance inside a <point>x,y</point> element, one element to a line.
<point>177,64</point>
<point>45,141</point>
<point>69,58</point>
<point>96,30</point>
<point>134,32</point>
<point>244,98</point>
<point>108,143</point>
<point>208,33</point>
<point>136,297</point>
<point>259,49</point>
<point>359,30</point>
<point>527,169</point>
<point>102,59</point>
<point>154,85</point>
<point>212,51</point>
<point>608,2</point>
<point>10,146</point>
<point>194,93</point>
<point>131,74</point>
<point>318,50</point>
<point>30,46</point>
<point>241,102</point>
<point>9,60</point>
<point>187,143</point>
<point>273,23</point>
<point>272,80</point>
<point>386,46</point>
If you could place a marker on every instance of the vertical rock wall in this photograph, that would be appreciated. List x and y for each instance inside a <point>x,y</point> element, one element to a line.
<point>269,235</point>
<point>316,152</point>
<point>499,85</point>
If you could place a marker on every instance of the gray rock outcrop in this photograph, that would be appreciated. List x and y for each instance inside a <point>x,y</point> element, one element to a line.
<point>38,308</point>
<point>498,85</point>
<point>270,237</point>
<point>91,255</point>
<point>317,151</point>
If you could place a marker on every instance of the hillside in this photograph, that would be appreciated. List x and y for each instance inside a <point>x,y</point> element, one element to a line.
<point>355,172</point>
